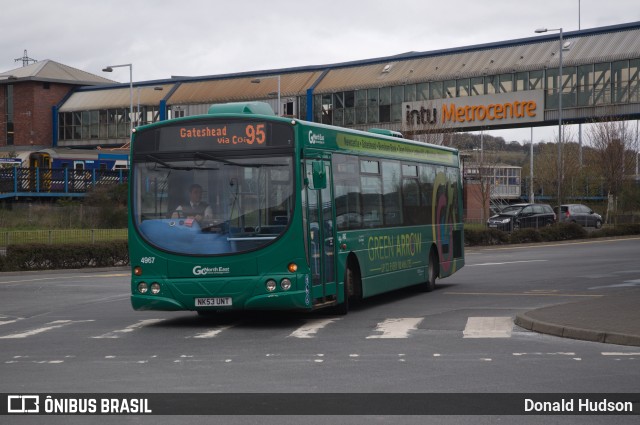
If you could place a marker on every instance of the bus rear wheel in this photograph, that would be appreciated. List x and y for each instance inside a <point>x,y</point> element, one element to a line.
<point>432,272</point>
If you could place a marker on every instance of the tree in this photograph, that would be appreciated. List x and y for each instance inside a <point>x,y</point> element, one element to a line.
<point>615,143</point>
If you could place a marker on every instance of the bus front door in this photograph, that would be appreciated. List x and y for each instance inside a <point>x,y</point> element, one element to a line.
<point>320,230</point>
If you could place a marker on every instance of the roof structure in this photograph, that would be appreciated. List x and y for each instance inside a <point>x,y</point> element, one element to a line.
<point>53,72</point>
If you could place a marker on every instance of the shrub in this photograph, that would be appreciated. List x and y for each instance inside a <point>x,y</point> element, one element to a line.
<point>525,236</point>
<point>65,256</point>
<point>563,232</point>
<point>485,237</point>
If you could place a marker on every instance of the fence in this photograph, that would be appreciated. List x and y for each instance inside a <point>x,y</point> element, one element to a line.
<point>13,237</point>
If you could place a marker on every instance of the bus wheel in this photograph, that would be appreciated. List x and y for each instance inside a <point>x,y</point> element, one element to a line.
<point>432,273</point>
<point>342,309</point>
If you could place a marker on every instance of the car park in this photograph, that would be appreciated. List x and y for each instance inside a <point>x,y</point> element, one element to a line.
<point>518,216</point>
<point>580,214</point>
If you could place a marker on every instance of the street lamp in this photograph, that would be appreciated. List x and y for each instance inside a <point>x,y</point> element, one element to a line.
<point>138,115</point>
<point>110,69</point>
<point>538,31</point>
<point>258,80</point>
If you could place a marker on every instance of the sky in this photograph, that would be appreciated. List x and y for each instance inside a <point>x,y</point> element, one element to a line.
<point>162,38</point>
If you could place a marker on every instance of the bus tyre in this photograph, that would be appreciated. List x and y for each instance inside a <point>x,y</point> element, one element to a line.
<point>342,309</point>
<point>432,272</point>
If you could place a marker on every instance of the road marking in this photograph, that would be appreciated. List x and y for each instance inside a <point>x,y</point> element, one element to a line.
<point>488,327</point>
<point>52,325</point>
<point>6,322</point>
<point>610,353</point>
<point>545,354</point>
<point>627,283</point>
<point>130,328</point>
<point>529,294</point>
<point>397,328</point>
<point>506,262</point>
<point>311,327</point>
<point>212,332</point>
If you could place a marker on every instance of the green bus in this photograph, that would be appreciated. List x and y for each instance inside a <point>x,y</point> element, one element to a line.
<point>293,215</point>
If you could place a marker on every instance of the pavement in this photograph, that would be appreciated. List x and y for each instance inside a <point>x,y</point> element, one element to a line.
<point>612,319</point>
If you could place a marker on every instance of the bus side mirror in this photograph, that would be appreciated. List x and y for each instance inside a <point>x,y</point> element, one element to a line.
<point>319,175</point>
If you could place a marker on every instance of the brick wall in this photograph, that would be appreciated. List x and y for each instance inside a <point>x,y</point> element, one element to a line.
<point>32,104</point>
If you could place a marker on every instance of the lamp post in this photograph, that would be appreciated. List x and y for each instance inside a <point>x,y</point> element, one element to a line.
<point>138,115</point>
<point>257,81</point>
<point>110,69</point>
<point>538,31</point>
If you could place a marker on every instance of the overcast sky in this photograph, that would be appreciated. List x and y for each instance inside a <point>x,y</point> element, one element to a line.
<point>162,38</point>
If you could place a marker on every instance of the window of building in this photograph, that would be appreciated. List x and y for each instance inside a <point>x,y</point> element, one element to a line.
<point>522,81</point>
<point>410,93</point>
<point>435,90</point>
<point>634,80</point>
<point>585,87</point>
<point>361,106</point>
<point>349,108</point>
<point>505,82</point>
<point>385,104</point>
<point>397,97</point>
<point>602,83</point>
<point>620,81</point>
<point>463,88</point>
<point>449,87</point>
<point>423,91</point>
<point>373,111</point>
<point>491,84</point>
<point>477,86</point>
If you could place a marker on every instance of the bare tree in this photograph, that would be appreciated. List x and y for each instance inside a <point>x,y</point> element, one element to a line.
<point>615,144</point>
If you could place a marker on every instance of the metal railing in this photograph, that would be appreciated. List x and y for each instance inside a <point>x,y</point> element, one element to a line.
<point>17,181</point>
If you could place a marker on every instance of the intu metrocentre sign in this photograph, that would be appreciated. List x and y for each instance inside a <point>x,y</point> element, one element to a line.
<point>474,111</point>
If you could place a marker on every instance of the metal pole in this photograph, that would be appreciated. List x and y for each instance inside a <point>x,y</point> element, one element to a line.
<point>279,103</point>
<point>560,123</point>
<point>131,100</point>
<point>531,196</point>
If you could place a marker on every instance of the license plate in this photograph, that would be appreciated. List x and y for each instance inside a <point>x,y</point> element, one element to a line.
<point>214,302</point>
<point>493,225</point>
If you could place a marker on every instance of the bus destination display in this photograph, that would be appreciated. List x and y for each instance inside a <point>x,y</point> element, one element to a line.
<point>225,134</point>
<point>196,136</point>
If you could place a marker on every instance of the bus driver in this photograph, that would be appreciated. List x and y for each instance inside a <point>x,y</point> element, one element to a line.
<point>196,208</point>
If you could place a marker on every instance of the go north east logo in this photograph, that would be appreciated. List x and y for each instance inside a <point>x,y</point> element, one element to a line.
<point>204,271</point>
<point>315,138</point>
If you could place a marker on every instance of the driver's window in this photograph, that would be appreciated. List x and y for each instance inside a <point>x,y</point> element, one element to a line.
<point>527,210</point>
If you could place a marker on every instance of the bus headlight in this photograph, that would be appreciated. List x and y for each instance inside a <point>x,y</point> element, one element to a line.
<point>155,288</point>
<point>285,284</point>
<point>143,287</point>
<point>271,285</point>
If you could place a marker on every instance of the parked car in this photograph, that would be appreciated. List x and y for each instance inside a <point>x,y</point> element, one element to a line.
<point>581,214</point>
<point>518,216</point>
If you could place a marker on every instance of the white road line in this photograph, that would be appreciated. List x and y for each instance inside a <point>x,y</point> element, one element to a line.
<point>609,353</point>
<point>52,325</point>
<point>130,328</point>
<point>311,327</point>
<point>488,327</point>
<point>506,262</point>
<point>212,332</point>
<point>6,322</point>
<point>397,328</point>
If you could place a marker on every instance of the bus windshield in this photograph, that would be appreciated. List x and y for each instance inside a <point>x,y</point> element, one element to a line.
<point>206,204</point>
